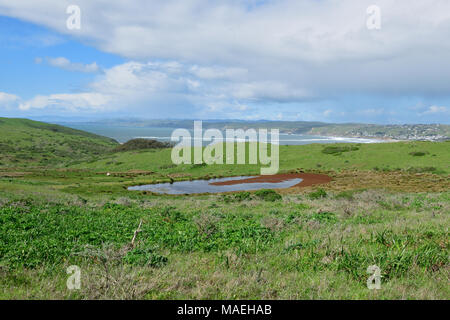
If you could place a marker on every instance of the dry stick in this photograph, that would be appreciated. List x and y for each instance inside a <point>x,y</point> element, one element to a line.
<point>135,234</point>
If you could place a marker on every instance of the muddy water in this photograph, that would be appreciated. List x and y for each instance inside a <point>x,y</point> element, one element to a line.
<point>216,186</point>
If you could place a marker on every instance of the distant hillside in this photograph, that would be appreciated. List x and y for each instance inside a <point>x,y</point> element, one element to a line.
<point>33,143</point>
<point>431,132</point>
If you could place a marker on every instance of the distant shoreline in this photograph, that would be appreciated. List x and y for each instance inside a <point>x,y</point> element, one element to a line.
<point>123,133</point>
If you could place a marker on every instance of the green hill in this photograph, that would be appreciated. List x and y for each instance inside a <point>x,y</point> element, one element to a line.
<point>25,142</point>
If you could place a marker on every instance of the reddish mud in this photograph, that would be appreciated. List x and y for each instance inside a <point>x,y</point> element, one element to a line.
<point>309,179</point>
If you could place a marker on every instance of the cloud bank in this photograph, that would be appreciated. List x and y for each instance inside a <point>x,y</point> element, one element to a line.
<point>219,58</point>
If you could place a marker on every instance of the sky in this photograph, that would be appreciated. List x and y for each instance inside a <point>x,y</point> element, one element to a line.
<point>310,60</point>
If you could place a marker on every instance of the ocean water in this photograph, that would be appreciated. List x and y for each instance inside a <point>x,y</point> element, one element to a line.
<point>124,133</point>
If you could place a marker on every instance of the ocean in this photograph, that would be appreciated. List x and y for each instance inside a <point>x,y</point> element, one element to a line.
<point>124,133</point>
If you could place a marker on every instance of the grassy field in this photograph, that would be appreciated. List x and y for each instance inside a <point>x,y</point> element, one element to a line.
<point>25,142</point>
<point>388,205</point>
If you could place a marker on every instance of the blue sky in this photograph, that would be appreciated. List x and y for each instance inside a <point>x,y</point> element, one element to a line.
<point>22,43</point>
<point>281,60</point>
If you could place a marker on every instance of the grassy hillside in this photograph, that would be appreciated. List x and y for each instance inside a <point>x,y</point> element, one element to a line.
<point>388,205</point>
<point>31,143</point>
<point>406,156</point>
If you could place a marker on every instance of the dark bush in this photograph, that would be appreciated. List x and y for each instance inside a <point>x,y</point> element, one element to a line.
<point>241,196</point>
<point>268,195</point>
<point>141,144</point>
<point>338,149</point>
<point>198,165</point>
<point>418,153</point>
<point>168,166</point>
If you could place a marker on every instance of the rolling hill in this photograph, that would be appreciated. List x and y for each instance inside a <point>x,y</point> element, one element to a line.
<point>25,142</point>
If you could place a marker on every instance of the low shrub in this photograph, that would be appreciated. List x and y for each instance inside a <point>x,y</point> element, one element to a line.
<point>318,194</point>
<point>336,150</point>
<point>418,153</point>
<point>241,196</point>
<point>198,165</point>
<point>141,144</point>
<point>268,195</point>
<point>168,166</point>
<point>348,195</point>
<point>145,257</point>
<point>324,217</point>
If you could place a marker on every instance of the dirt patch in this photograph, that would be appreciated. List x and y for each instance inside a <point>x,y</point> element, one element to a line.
<point>395,181</point>
<point>13,174</point>
<point>309,179</point>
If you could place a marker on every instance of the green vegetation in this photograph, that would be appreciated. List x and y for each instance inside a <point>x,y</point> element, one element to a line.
<point>338,150</point>
<point>141,144</point>
<point>319,193</point>
<point>363,157</point>
<point>418,153</point>
<point>204,247</point>
<point>31,143</point>
<point>268,195</point>
<point>302,243</point>
<point>238,196</point>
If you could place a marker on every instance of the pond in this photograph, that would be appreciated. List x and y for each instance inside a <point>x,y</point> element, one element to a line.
<point>215,185</point>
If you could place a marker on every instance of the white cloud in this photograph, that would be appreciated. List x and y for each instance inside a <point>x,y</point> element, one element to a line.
<point>68,102</point>
<point>436,110</point>
<point>8,100</point>
<point>267,91</point>
<point>218,72</point>
<point>135,85</point>
<point>66,64</point>
<point>320,47</point>
<point>327,112</point>
<point>7,97</point>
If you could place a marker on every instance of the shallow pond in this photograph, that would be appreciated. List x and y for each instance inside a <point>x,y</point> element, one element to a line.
<point>205,186</point>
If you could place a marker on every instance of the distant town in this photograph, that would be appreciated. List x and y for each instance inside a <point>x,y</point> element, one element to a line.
<point>418,132</point>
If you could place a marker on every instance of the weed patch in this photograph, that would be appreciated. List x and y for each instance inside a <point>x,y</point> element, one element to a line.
<point>319,194</point>
<point>268,195</point>
<point>337,150</point>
